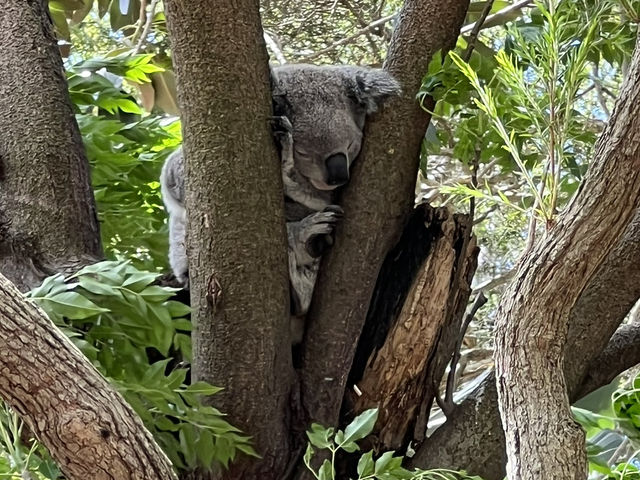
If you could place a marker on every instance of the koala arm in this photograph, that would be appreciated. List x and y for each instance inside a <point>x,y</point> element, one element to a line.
<point>308,239</point>
<point>172,188</point>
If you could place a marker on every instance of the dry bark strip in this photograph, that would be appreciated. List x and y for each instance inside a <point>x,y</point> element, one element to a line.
<point>400,376</point>
<point>87,426</point>
<point>542,439</point>
<point>377,205</point>
<point>48,217</point>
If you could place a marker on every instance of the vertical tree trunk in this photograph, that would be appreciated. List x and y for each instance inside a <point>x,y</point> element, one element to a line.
<point>377,204</point>
<point>48,218</point>
<point>543,441</point>
<point>87,426</point>
<point>236,233</point>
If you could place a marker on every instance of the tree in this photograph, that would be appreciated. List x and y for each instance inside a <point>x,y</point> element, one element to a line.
<point>236,234</point>
<point>88,427</point>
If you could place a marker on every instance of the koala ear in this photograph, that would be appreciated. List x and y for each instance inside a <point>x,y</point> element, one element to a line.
<point>374,86</point>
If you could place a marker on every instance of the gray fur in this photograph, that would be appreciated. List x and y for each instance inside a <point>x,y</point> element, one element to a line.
<point>320,115</point>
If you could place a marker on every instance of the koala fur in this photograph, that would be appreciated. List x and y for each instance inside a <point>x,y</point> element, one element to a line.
<point>320,113</point>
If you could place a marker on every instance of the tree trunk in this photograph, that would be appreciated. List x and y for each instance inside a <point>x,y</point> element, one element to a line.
<point>377,204</point>
<point>601,308</point>
<point>236,231</point>
<point>402,374</point>
<point>542,439</point>
<point>87,426</point>
<point>48,217</point>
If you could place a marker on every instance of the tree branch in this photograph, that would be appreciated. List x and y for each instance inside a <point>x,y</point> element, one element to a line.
<point>621,353</point>
<point>235,223</point>
<point>349,39</point>
<point>48,218</point>
<point>500,17</point>
<point>86,425</point>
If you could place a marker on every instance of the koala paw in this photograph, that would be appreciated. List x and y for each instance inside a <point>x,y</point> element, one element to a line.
<point>317,230</point>
<point>281,126</point>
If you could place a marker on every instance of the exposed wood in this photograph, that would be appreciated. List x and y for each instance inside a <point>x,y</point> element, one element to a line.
<point>400,378</point>
<point>48,217</point>
<point>236,232</point>
<point>542,439</point>
<point>87,426</point>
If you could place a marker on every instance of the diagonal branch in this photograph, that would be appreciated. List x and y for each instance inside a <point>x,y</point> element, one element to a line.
<point>86,425</point>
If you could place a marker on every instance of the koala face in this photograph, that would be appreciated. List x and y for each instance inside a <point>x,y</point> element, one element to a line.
<point>327,106</point>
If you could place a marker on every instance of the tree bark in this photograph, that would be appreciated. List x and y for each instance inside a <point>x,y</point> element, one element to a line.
<point>622,353</point>
<point>236,231</point>
<point>377,204</point>
<point>542,439</point>
<point>87,426</point>
<point>48,217</point>
<point>402,375</point>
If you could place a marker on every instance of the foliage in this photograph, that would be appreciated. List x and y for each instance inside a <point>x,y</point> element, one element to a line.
<point>613,434</point>
<point>135,335</point>
<point>126,153</point>
<point>385,467</point>
<point>528,119</point>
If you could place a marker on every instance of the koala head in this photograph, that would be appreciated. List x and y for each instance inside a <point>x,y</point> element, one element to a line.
<point>327,106</point>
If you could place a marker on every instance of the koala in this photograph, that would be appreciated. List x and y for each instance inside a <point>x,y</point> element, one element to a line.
<point>320,112</point>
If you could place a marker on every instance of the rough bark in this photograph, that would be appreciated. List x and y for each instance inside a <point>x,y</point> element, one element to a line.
<point>236,233</point>
<point>622,353</point>
<point>86,425</point>
<point>377,204</point>
<point>401,376</point>
<point>48,217</point>
<point>603,305</point>
<point>542,439</point>
<point>466,441</point>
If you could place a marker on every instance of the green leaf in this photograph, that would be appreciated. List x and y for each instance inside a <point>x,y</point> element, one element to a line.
<point>319,436</point>
<point>202,388</point>
<point>366,464</point>
<point>71,305</point>
<point>326,471</point>
<point>360,427</point>
<point>383,463</point>
<point>308,454</point>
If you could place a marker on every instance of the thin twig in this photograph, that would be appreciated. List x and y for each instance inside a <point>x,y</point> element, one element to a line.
<point>348,39</point>
<point>479,301</point>
<point>466,56</point>
<point>363,23</point>
<point>595,76</point>
<point>496,282</point>
<point>141,18</point>
<point>497,17</point>
<point>147,26</point>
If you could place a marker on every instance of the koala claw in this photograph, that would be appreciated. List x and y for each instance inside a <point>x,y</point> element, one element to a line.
<point>281,125</point>
<point>317,230</point>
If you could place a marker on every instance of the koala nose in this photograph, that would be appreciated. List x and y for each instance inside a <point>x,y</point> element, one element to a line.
<point>337,169</point>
